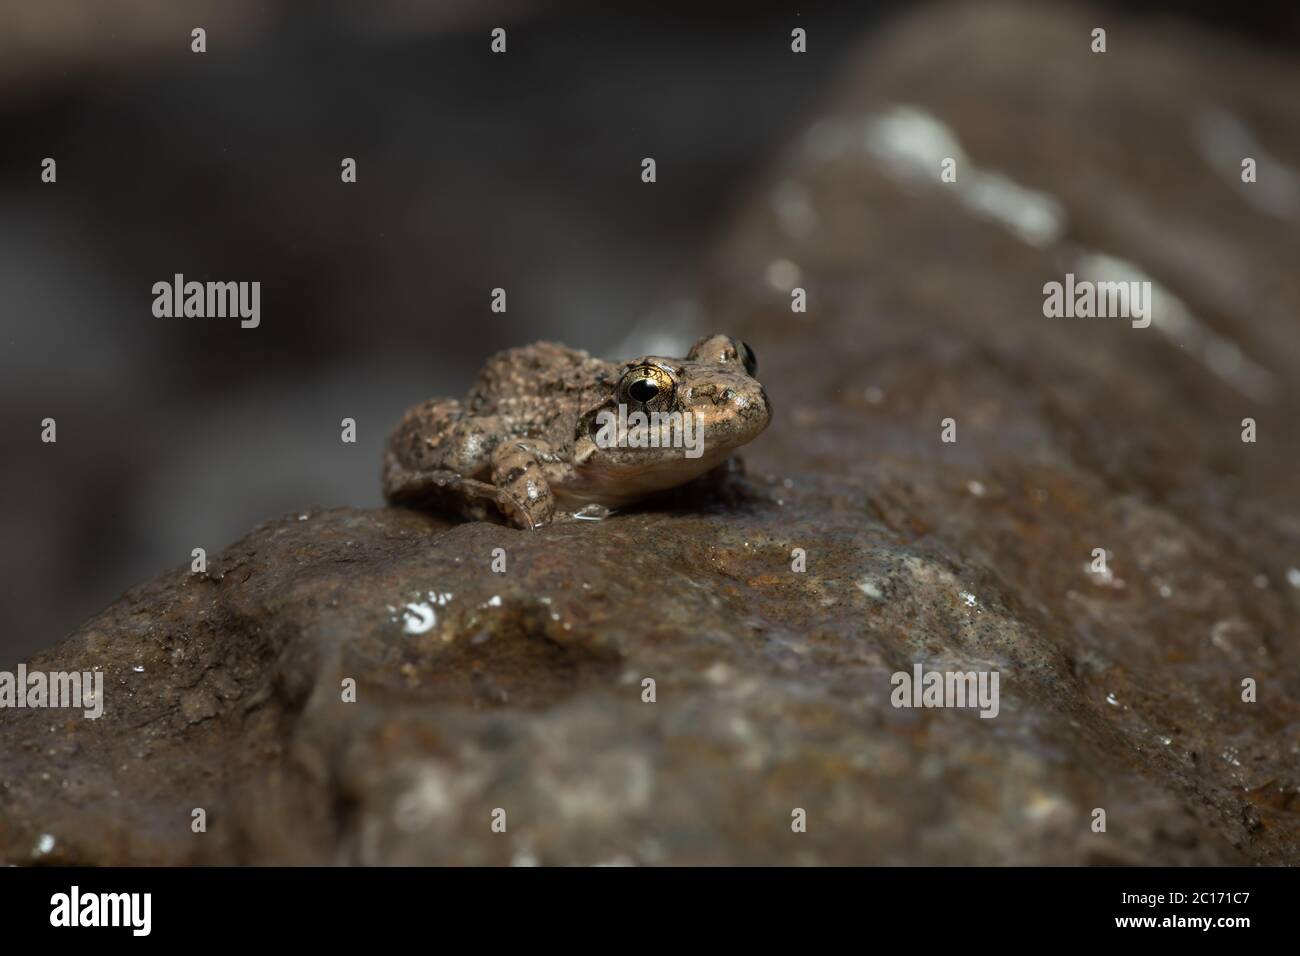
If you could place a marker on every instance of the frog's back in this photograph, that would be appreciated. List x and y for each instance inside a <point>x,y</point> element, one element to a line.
<point>541,389</point>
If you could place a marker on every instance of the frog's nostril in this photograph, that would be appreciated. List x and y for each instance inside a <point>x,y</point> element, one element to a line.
<point>643,390</point>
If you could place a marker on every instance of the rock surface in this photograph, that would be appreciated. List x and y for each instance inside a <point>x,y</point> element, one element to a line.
<point>523,690</point>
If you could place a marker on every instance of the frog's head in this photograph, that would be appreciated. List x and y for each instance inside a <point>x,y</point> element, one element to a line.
<point>668,420</point>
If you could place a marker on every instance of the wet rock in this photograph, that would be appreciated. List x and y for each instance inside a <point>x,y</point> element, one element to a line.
<point>523,692</point>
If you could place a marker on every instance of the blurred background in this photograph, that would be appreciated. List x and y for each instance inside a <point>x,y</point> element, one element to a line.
<point>474,171</point>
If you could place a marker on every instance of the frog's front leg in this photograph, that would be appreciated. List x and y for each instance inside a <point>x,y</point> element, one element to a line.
<point>526,469</point>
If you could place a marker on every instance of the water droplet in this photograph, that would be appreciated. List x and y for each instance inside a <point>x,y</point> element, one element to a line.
<point>420,617</point>
<point>592,513</point>
<point>869,587</point>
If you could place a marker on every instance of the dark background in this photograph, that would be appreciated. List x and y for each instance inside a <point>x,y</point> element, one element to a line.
<point>475,171</point>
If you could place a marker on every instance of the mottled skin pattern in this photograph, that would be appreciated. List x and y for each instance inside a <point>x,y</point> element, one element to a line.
<point>522,441</point>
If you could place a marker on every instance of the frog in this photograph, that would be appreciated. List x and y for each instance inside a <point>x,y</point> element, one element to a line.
<point>543,433</point>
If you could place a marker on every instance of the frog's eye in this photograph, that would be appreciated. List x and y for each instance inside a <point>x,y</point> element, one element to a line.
<point>749,358</point>
<point>643,390</point>
<point>647,385</point>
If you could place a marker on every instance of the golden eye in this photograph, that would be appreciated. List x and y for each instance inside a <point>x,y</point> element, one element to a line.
<point>647,385</point>
<point>643,390</point>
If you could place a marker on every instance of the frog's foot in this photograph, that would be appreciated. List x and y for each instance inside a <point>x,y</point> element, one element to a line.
<point>520,471</point>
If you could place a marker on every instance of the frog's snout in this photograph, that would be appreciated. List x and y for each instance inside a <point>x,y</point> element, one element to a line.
<point>738,412</point>
<point>751,403</point>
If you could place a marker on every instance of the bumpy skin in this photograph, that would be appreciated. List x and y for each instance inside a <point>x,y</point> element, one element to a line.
<point>522,442</point>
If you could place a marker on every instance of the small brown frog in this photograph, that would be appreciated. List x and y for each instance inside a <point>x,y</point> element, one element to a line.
<point>549,430</point>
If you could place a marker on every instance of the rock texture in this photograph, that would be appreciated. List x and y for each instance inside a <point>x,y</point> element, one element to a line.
<point>523,690</point>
